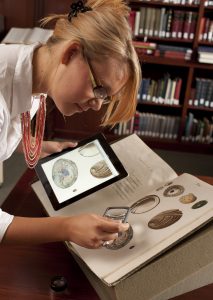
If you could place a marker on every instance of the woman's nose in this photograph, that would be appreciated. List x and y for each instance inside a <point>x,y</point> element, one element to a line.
<point>95,104</point>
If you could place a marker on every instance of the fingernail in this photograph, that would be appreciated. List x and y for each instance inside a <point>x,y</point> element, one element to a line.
<point>74,144</point>
<point>125,226</point>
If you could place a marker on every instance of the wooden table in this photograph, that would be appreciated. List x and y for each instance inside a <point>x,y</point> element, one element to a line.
<point>26,271</point>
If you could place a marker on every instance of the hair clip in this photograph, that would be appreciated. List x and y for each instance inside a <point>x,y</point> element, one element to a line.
<point>77,7</point>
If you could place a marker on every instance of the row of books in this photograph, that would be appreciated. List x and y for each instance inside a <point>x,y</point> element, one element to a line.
<point>183,2</point>
<point>150,125</point>
<point>206,30</point>
<point>208,3</point>
<point>163,91</point>
<point>198,130</point>
<point>163,23</point>
<point>176,52</point>
<point>202,95</point>
<point>205,54</point>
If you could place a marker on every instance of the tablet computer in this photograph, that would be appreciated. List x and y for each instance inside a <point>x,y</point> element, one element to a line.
<point>77,172</point>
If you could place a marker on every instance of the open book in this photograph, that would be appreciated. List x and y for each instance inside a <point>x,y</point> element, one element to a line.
<point>165,208</point>
<point>27,35</point>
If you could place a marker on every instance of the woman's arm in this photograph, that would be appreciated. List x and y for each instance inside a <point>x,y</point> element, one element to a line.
<point>86,230</point>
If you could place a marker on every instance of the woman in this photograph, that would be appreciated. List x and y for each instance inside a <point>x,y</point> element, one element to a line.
<point>87,62</point>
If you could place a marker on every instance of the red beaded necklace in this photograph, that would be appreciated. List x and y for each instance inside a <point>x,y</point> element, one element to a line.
<point>32,144</point>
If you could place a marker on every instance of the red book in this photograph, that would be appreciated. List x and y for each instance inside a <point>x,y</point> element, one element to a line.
<point>187,24</point>
<point>201,28</point>
<point>206,29</point>
<point>180,25</point>
<point>175,23</point>
<point>132,19</point>
<point>177,91</point>
<point>174,54</point>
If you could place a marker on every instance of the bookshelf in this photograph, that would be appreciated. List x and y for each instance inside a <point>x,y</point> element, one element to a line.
<point>192,72</point>
<point>154,67</point>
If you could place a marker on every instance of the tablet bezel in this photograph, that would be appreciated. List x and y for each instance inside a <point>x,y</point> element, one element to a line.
<point>109,152</point>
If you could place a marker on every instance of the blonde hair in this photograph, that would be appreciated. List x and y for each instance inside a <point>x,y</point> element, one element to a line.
<point>104,31</point>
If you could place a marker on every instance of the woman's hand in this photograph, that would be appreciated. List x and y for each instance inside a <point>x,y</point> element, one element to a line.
<point>50,147</point>
<point>91,230</point>
<point>86,230</point>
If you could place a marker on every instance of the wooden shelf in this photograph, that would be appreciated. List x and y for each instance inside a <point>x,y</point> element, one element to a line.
<point>164,61</point>
<point>200,108</point>
<point>162,39</point>
<point>149,103</point>
<point>205,43</point>
<point>158,60</point>
<point>161,3</point>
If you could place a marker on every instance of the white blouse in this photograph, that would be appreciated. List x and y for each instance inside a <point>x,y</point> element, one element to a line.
<point>15,98</point>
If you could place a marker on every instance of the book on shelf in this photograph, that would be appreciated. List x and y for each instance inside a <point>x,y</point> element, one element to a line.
<point>164,209</point>
<point>27,35</point>
<point>164,90</point>
<point>203,92</point>
<point>163,23</point>
<point>150,125</point>
<point>198,130</point>
<point>208,3</point>
<point>205,54</point>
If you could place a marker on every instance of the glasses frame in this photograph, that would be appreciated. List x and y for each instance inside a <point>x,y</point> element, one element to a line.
<point>98,89</point>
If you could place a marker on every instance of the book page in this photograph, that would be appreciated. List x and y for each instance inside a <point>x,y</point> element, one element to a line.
<point>16,36</point>
<point>145,168</point>
<point>175,210</point>
<point>39,35</point>
<point>164,209</point>
<point>27,35</point>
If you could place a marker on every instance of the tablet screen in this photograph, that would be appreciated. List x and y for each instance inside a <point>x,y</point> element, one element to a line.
<point>77,172</point>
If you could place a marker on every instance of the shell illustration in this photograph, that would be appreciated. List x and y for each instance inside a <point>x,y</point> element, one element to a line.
<point>100,170</point>
<point>64,173</point>
<point>89,150</point>
<point>173,191</point>
<point>145,204</point>
<point>165,219</point>
<point>189,198</point>
<point>199,204</point>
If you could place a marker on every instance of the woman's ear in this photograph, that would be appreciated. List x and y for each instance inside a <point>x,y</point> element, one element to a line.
<point>69,52</point>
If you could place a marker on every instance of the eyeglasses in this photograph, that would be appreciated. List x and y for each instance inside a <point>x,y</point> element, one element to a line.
<point>98,89</point>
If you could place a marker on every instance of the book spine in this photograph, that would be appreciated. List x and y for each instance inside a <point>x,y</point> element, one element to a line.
<point>132,19</point>
<point>197,91</point>
<point>137,23</point>
<point>169,24</point>
<point>177,91</point>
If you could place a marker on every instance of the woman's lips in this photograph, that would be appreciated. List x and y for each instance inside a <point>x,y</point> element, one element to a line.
<point>81,109</point>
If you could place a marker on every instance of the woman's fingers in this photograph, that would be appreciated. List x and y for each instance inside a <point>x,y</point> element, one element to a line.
<point>113,226</point>
<point>50,147</point>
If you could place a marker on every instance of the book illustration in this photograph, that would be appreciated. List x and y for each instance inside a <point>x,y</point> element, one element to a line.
<point>89,150</point>
<point>145,204</point>
<point>189,198</point>
<point>165,219</point>
<point>168,183</point>
<point>160,188</point>
<point>64,173</point>
<point>199,204</point>
<point>100,170</point>
<point>173,191</point>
